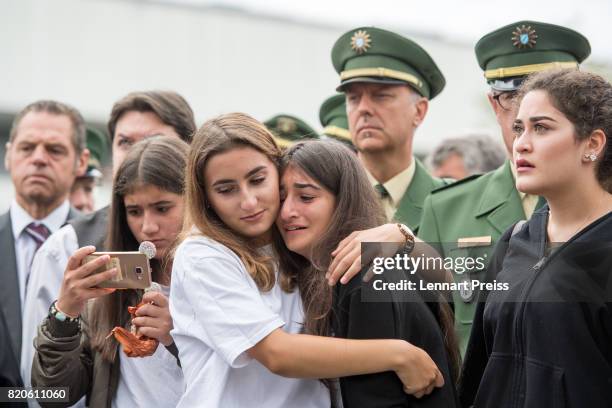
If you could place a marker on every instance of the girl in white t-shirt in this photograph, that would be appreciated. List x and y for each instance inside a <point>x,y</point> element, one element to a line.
<point>236,318</point>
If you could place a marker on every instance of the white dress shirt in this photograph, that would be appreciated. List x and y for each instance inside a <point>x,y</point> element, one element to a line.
<point>396,186</point>
<point>25,245</point>
<point>46,277</point>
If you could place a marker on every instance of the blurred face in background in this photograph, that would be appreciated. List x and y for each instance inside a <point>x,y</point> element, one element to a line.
<point>504,106</point>
<point>82,194</point>
<point>132,127</point>
<point>452,167</point>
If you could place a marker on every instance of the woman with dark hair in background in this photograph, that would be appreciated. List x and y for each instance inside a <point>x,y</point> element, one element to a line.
<point>72,347</point>
<point>547,340</point>
<point>325,196</point>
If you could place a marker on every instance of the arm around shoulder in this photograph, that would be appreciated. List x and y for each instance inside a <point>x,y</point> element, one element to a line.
<point>306,356</point>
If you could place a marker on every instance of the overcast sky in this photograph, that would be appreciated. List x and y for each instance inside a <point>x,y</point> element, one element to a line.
<point>457,20</point>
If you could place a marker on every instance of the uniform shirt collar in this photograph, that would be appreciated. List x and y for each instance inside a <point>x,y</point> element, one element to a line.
<point>513,168</point>
<point>21,219</point>
<point>398,184</point>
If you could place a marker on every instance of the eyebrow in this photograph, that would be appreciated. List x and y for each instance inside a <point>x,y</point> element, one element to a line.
<point>161,202</point>
<point>306,185</point>
<point>249,174</point>
<point>44,143</point>
<point>537,118</point>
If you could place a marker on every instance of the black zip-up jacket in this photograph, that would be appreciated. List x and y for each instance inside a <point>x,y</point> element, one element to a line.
<point>547,340</point>
<point>403,316</point>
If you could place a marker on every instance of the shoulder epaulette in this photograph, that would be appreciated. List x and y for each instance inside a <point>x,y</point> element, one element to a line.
<point>456,183</point>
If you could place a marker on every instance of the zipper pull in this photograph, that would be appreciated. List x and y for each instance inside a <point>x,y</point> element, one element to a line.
<point>539,264</point>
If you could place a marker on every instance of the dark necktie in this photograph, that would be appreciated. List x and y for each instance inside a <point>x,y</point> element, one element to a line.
<point>382,191</point>
<point>38,232</point>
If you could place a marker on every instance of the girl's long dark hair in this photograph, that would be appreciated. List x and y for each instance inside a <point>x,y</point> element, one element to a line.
<point>338,170</point>
<point>158,161</point>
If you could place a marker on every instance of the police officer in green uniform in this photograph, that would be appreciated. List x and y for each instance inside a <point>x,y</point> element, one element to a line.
<point>468,217</point>
<point>288,129</point>
<point>332,116</point>
<point>82,191</point>
<point>388,81</point>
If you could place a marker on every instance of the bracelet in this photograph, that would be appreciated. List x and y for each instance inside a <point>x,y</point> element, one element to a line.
<point>409,244</point>
<point>57,314</point>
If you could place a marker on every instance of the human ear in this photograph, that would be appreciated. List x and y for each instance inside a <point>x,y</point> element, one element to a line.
<point>6,156</point>
<point>595,144</point>
<point>422,106</point>
<point>81,162</point>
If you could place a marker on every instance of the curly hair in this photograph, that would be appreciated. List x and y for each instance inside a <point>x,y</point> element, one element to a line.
<point>586,100</point>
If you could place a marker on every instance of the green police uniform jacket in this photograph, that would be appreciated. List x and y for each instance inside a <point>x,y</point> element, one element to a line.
<point>410,208</point>
<point>476,211</point>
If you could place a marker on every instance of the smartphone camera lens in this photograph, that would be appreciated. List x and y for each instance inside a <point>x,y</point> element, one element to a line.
<point>138,270</point>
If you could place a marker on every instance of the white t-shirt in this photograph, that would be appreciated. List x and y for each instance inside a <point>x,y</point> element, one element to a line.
<point>218,314</point>
<point>154,381</point>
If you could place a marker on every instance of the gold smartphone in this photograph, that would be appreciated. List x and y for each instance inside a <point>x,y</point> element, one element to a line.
<point>133,270</point>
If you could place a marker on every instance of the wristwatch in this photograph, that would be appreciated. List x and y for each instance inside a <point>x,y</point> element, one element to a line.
<point>58,315</point>
<point>409,245</point>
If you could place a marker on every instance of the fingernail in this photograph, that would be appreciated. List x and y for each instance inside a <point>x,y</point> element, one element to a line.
<point>327,275</point>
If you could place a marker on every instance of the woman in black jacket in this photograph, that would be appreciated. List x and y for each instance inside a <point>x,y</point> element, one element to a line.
<point>325,196</point>
<point>547,340</point>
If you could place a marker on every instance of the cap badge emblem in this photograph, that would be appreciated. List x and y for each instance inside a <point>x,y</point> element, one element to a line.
<point>286,125</point>
<point>361,41</point>
<point>524,37</point>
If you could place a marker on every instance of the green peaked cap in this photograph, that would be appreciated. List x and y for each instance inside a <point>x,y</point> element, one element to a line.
<point>97,144</point>
<point>369,54</point>
<point>508,54</point>
<point>288,129</point>
<point>332,115</point>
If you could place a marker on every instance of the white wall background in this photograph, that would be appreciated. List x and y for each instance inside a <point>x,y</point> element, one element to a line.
<point>89,53</point>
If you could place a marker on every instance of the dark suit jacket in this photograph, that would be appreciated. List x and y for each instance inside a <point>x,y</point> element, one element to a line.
<point>9,289</point>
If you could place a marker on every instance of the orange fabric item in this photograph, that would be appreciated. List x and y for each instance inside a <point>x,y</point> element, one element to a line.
<point>134,344</point>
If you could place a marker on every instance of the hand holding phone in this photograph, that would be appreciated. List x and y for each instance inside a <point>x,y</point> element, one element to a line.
<point>133,269</point>
<point>80,283</point>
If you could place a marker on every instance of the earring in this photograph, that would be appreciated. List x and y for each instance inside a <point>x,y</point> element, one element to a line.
<point>592,157</point>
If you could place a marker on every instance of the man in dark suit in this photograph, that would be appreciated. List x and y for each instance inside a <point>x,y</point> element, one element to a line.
<point>45,153</point>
